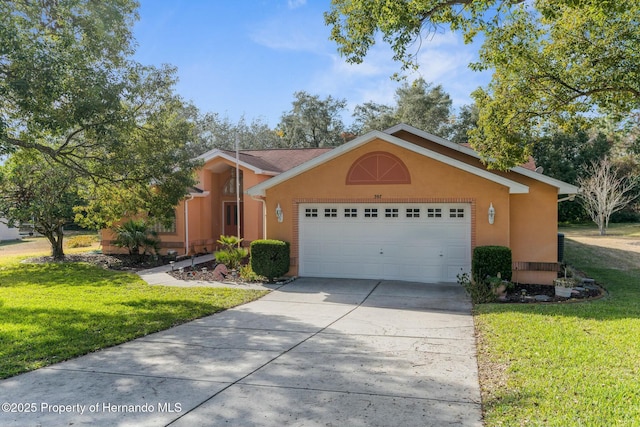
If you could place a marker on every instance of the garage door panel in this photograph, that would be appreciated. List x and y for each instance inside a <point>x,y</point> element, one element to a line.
<point>402,242</point>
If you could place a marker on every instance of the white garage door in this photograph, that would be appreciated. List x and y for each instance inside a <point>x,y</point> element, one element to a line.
<point>415,242</point>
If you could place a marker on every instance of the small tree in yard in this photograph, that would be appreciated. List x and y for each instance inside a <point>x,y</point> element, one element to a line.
<point>603,191</point>
<point>38,191</point>
<point>136,236</point>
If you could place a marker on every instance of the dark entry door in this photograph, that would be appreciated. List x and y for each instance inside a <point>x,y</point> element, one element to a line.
<point>231,218</point>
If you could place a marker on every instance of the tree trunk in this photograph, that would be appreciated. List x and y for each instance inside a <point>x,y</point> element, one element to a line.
<point>55,237</point>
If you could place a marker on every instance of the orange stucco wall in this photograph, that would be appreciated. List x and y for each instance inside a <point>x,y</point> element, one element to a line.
<point>431,181</point>
<point>204,224</point>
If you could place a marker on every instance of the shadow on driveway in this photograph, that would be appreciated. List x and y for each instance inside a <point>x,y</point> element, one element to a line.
<point>314,352</point>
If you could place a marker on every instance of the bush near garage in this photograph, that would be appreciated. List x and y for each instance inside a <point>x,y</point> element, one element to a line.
<point>270,258</point>
<point>491,261</point>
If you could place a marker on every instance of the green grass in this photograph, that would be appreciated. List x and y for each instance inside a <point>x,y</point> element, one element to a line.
<point>572,364</point>
<point>53,312</point>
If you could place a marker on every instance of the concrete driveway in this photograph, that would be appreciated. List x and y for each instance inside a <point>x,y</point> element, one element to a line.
<point>315,352</point>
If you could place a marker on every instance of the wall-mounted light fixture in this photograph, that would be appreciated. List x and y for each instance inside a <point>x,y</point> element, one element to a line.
<point>491,213</point>
<point>279,213</point>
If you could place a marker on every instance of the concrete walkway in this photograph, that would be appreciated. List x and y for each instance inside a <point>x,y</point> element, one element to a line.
<point>316,352</point>
<point>159,276</point>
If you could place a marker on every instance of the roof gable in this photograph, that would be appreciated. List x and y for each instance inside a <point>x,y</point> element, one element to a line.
<point>525,170</point>
<point>260,189</point>
<point>266,162</point>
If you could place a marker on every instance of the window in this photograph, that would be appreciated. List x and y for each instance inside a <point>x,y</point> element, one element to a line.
<point>311,212</point>
<point>413,213</point>
<point>434,213</point>
<point>350,212</point>
<point>160,227</point>
<point>391,213</point>
<point>330,212</point>
<point>456,213</point>
<point>371,212</point>
<point>229,188</point>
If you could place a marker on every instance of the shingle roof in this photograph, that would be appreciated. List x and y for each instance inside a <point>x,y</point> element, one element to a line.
<point>279,159</point>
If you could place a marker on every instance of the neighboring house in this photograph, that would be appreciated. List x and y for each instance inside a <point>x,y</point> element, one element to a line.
<point>401,204</point>
<point>8,233</point>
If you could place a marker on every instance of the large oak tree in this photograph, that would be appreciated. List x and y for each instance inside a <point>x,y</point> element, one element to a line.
<point>554,61</point>
<point>70,90</point>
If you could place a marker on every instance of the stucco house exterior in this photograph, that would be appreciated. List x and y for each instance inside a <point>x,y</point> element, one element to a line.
<point>400,204</point>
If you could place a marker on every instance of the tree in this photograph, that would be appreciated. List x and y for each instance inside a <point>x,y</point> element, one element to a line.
<point>566,156</point>
<point>37,191</point>
<point>312,122</point>
<point>604,192</point>
<point>466,121</point>
<point>553,60</point>
<point>213,131</point>
<point>69,90</point>
<point>63,71</point>
<point>418,104</point>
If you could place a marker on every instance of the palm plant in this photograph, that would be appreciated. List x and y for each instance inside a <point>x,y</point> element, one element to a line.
<point>136,235</point>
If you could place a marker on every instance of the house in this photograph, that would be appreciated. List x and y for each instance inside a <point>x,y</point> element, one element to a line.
<point>211,208</point>
<point>8,233</point>
<point>401,204</point>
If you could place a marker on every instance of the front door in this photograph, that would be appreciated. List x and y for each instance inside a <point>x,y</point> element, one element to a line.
<point>230,218</point>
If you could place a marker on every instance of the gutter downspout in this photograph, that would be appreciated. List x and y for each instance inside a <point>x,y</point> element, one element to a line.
<point>264,214</point>
<point>186,224</point>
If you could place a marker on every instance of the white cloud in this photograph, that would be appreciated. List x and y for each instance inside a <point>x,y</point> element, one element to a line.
<point>294,4</point>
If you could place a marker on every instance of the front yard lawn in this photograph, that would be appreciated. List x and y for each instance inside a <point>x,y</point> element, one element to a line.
<point>53,312</point>
<point>566,364</point>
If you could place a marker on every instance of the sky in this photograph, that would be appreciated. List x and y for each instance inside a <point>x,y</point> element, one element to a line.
<point>246,58</point>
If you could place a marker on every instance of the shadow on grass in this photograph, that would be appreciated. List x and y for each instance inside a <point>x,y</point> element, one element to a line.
<point>27,343</point>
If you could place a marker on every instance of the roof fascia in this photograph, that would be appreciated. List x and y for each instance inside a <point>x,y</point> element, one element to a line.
<point>563,187</point>
<point>259,189</point>
<point>217,153</point>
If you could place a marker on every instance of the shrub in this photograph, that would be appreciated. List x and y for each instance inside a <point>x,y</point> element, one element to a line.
<point>491,261</point>
<point>136,235</point>
<point>231,255</point>
<point>248,275</point>
<point>270,258</point>
<point>82,241</point>
<point>485,290</point>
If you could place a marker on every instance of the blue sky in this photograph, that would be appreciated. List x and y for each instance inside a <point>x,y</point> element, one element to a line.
<point>247,57</point>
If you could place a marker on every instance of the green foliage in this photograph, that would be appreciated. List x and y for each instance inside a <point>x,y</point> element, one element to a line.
<point>417,104</point>
<point>232,254</point>
<point>54,312</point>
<point>39,191</point>
<point>312,122</point>
<point>136,235</point>
<point>248,275</point>
<point>70,90</point>
<point>559,61</point>
<point>270,258</point>
<point>492,261</point>
<point>485,290</point>
<point>591,349</point>
<point>565,156</point>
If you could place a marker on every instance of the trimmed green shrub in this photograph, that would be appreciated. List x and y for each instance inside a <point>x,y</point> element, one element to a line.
<point>491,261</point>
<point>270,258</point>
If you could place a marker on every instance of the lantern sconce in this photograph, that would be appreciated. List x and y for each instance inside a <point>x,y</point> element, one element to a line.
<point>492,213</point>
<point>279,213</point>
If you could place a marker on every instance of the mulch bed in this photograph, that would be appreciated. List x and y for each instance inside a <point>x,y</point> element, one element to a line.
<point>526,293</point>
<point>111,262</point>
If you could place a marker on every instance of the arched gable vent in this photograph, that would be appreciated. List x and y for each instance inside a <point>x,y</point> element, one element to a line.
<point>378,167</point>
